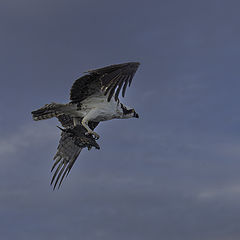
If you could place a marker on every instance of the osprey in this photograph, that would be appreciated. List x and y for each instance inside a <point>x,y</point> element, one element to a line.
<point>94,98</point>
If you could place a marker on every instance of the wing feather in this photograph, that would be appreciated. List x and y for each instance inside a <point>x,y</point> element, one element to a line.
<point>65,120</point>
<point>124,88</point>
<point>106,79</point>
<point>72,141</point>
<point>111,84</point>
<point>119,87</point>
<point>112,88</point>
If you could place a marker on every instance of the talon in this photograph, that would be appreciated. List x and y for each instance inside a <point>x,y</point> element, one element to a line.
<point>94,134</point>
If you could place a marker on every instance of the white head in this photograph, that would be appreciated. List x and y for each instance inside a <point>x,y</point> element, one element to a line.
<point>128,112</point>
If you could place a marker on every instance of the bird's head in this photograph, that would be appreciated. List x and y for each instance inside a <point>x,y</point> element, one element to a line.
<point>128,112</point>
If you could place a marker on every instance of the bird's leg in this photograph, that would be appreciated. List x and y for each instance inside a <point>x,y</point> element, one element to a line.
<point>89,117</point>
<point>89,130</point>
<point>75,121</point>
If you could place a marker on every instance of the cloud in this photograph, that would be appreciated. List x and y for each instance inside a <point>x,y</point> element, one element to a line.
<point>230,191</point>
<point>25,136</point>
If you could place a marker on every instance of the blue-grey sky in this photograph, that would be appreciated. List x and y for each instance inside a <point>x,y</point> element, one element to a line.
<point>172,174</point>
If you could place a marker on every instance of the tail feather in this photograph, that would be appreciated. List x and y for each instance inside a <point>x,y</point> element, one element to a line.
<point>47,111</point>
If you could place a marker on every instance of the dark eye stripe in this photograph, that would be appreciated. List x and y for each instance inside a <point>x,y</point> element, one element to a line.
<point>125,110</point>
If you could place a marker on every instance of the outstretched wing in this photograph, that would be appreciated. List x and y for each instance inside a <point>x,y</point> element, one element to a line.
<point>72,141</point>
<point>110,80</point>
<point>67,153</point>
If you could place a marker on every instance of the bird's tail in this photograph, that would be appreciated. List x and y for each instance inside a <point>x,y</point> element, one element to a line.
<point>48,111</point>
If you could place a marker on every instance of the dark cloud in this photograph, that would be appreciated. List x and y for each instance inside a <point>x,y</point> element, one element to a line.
<point>171,174</point>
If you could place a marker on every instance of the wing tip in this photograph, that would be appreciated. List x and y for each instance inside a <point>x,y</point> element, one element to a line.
<point>134,64</point>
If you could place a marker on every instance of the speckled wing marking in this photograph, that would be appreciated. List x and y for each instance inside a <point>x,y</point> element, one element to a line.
<point>110,80</point>
<point>65,120</point>
<point>72,141</point>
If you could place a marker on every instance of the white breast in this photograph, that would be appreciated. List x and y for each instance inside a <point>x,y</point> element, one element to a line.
<point>99,109</point>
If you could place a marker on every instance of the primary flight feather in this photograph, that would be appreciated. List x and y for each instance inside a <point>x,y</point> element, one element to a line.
<point>94,98</point>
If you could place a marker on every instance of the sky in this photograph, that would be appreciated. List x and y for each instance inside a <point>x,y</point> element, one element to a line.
<point>172,174</point>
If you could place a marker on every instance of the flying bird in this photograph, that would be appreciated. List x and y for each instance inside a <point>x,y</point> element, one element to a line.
<point>94,97</point>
